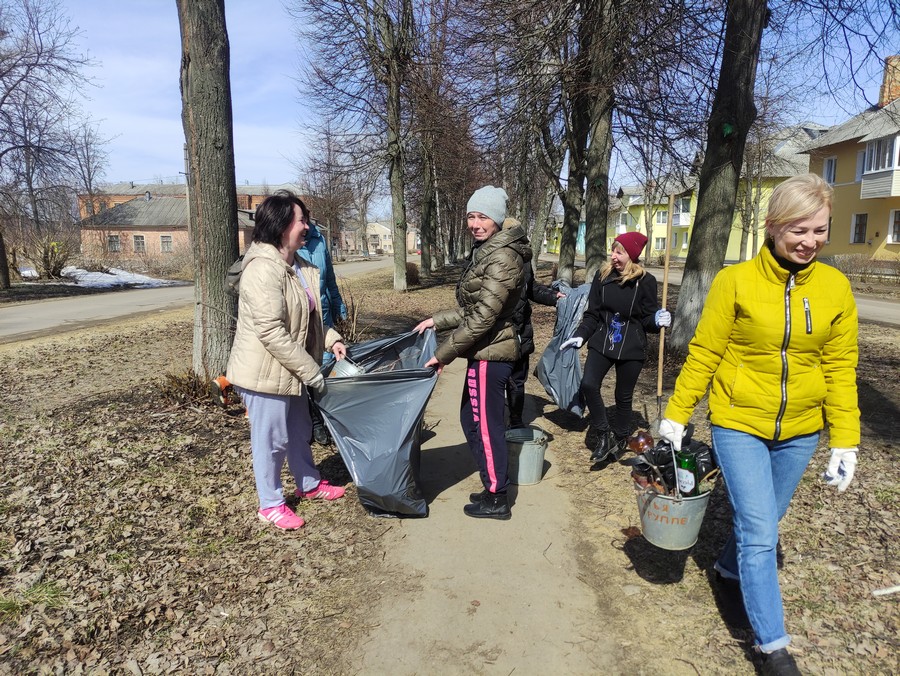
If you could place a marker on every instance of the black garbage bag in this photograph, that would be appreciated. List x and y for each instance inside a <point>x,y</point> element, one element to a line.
<point>375,419</point>
<point>560,371</point>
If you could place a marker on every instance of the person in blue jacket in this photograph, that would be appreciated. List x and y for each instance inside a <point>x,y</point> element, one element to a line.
<point>315,251</point>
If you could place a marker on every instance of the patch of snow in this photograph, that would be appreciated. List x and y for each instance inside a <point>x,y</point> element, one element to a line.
<point>101,280</point>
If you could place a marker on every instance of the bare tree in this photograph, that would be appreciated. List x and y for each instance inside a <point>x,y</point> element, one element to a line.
<point>88,160</point>
<point>732,114</point>
<point>363,51</point>
<point>38,58</point>
<point>212,199</point>
<point>326,183</point>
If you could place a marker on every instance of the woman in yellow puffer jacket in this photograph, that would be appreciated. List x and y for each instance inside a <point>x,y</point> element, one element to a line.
<point>777,346</point>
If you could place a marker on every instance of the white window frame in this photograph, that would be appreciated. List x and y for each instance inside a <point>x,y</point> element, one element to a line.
<point>853,229</point>
<point>860,165</point>
<point>829,169</point>
<point>659,243</point>
<point>880,157</point>
<point>684,241</point>
<point>894,227</point>
<point>113,244</point>
<point>143,244</point>
<point>165,243</point>
<point>662,217</point>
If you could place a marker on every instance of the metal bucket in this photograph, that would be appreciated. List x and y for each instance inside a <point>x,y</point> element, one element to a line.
<point>526,446</point>
<point>671,522</point>
<point>346,369</point>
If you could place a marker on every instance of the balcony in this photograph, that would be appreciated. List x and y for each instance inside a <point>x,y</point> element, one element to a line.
<point>879,184</point>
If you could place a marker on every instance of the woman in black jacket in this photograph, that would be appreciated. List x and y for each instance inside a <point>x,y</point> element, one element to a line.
<point>532,290</point>
<point>622,307</point>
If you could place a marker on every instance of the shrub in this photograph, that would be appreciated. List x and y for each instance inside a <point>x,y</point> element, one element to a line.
<point>412,274</point>
<point>862,267</point>
<point>349,327</point>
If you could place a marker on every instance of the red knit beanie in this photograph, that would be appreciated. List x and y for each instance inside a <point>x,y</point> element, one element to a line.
<point>633,243</point>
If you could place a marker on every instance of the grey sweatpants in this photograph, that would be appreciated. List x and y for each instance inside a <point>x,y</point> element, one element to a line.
<point>280,427</point>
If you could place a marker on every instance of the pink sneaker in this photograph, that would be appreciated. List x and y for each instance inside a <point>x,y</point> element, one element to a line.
<point>324,491</point>
<point>281,516</point>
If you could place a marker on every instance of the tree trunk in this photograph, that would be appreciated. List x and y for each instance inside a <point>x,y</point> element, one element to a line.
<point>4,265</point>
<point>732,114</point>
<point>597,201</point>
<point>429,215</point>
<point>212,201</point>
<point>746,218</point>
<point>540,226</point>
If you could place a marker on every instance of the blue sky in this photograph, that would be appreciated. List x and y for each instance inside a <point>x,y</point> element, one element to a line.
<point>137,103</point>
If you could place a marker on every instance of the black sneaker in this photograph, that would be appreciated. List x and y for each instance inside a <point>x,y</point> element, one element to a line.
<point>478,497</point>
<point>779,663</point>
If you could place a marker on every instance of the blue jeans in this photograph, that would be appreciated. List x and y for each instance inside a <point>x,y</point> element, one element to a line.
<point>760,477</point>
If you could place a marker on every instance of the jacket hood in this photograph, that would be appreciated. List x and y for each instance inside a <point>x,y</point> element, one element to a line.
<point>513,237</point>
<point>314,233</point>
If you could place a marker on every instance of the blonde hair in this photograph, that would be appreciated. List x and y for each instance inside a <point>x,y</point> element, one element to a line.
<point>631,271</point>
<point>797,198</point>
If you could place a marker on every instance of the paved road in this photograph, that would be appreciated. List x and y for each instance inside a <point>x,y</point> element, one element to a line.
<point>29,320</point>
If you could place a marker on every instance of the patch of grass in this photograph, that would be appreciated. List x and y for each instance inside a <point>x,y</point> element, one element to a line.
<point>200,550</point>
<point>121,560</point>
<point>888,495</point>
<point>10,608</point>
<point>48,594</point>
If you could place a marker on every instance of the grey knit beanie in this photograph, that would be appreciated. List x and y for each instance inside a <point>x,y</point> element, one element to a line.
<point>489,201</point>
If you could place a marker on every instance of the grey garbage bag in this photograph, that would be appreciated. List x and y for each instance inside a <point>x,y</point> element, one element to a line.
<point>375,419</point>
<point>560,371</point>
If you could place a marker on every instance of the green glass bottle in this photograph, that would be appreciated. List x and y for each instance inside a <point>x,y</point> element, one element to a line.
<point>686,474</point>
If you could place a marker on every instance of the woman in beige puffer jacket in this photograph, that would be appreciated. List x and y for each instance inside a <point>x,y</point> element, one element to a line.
<point>277,353</point>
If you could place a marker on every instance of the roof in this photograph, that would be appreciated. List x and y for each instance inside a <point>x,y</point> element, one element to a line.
<point>868,125</point>
<point>789,156</point>
<point>174,189</point>
<point>677,185</point>
<point>156,212</point>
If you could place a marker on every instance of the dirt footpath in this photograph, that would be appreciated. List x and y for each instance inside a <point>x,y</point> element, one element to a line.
<point>479,595</point>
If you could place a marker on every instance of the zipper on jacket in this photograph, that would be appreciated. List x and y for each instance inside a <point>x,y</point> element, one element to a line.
<point>808,315</point>
<point>784,362</point>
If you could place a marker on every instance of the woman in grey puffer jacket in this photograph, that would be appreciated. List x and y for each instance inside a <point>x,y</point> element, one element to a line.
<point>484,332</point>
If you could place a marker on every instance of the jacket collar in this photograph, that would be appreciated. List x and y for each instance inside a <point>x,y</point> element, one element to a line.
<point>772,271</point>
<point>269,252</point>
<point>503,238</point>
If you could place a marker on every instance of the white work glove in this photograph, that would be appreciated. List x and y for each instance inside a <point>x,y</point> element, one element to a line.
<point>575,342</point>
<point>672,432</point>
<point>841,468</point>
<point>663,318</point>
<point>317,384</point>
